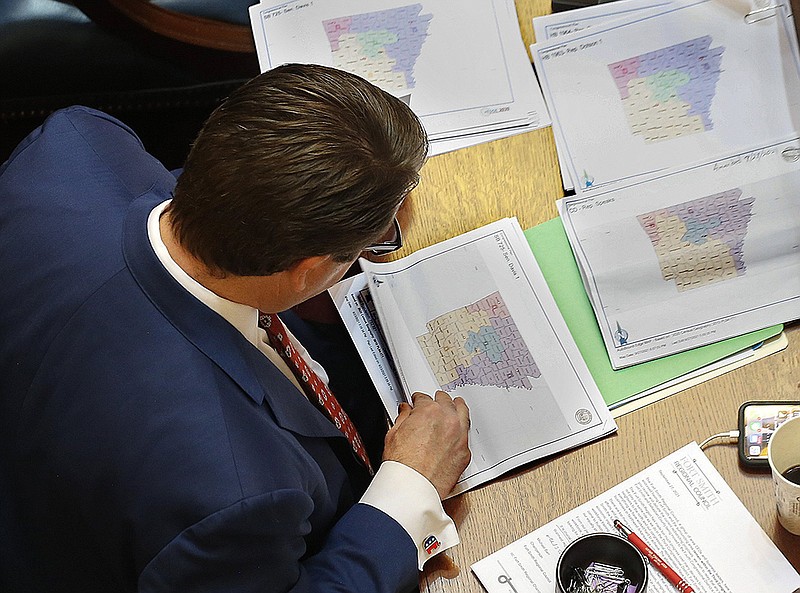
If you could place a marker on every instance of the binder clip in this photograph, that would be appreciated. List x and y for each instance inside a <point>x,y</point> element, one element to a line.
<point>760,14</point>
<point>791,155</point>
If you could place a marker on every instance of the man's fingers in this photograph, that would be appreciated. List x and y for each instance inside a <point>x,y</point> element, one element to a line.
<point>443,397</point>
<point>403,410</point>
<point>418,397</point>
<point>431,436</point>
<point>463,411</point>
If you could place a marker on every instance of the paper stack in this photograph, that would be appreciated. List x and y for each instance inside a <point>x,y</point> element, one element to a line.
<point>641,86</point>
<point>462,68</point>
<point>677,126</point>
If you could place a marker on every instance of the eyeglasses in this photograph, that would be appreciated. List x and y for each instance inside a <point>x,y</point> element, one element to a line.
<point>390,245</point>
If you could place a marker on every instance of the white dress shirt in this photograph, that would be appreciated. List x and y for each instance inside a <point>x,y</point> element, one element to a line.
<point>398,490</point>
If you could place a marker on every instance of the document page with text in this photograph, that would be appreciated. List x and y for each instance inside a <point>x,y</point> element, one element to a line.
<point>683,509</point>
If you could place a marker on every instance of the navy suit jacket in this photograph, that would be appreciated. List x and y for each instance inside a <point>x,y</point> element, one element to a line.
<point>144,443</point>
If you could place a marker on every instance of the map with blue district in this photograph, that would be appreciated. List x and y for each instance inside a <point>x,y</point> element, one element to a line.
<point>478,344</point>
<point>702,241</point>
<point>668,93</point>
<point>381,46</point>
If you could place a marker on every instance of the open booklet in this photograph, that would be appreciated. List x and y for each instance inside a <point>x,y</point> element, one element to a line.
<point>473,316</point>
<point>682,507</point>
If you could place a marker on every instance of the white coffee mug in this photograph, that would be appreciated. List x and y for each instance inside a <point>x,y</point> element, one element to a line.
<point>783,455</point>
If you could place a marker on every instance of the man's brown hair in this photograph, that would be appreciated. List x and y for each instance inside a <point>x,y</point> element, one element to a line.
<point>301,161</point>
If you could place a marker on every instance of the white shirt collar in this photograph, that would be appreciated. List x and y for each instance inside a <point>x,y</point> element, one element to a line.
<point>243,317</point>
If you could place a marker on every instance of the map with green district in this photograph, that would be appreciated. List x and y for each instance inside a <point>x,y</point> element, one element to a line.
<point>478,344</point>
<point>381,46</point>
<point>701,241</point>
<point>667,93</point>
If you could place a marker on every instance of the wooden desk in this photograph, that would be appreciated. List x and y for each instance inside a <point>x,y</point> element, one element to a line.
<point>519,176</point>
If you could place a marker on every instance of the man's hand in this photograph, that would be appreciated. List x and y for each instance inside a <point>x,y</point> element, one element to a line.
<point>431,437</point>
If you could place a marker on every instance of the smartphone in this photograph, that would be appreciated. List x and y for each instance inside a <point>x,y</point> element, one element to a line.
<point>758,420</point>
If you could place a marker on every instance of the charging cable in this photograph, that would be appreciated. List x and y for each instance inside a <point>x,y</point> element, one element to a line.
<point>732,435</point>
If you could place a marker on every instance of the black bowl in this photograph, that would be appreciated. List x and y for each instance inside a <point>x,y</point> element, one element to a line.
<point>605,548</point>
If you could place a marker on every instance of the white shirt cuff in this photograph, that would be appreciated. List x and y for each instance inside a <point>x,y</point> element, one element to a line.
<point>410,499</point>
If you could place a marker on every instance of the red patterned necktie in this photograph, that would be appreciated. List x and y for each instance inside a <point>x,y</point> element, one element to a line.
<point>315,389</point>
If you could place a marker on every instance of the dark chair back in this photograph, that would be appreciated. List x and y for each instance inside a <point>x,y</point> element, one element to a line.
<point>161,67</point>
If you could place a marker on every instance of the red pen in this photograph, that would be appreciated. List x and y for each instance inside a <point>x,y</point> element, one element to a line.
<point>654,559</point>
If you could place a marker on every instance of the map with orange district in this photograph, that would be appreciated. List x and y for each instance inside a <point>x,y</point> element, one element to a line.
<point>478,344</point>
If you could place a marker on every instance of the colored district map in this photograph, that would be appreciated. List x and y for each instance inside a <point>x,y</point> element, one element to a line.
<point>700,242</point>
<point>668,93</point>
<point>381,46</point>
<point>478,345</point>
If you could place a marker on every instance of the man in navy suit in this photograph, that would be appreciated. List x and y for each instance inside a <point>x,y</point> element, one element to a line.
<point>151,439</point>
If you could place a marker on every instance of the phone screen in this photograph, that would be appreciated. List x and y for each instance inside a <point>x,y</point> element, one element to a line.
<point>757,422</point>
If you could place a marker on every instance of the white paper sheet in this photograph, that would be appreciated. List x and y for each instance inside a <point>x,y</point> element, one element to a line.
<point>562,25</point>
<point>683,509</point>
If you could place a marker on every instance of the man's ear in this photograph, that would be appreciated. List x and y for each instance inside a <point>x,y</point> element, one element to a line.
<point>302,273</point>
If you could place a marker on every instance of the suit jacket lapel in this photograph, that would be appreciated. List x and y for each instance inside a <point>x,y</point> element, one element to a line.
<point>213,335</point>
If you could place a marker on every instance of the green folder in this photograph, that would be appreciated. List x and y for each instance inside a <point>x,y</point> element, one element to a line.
<point>550,246</point>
